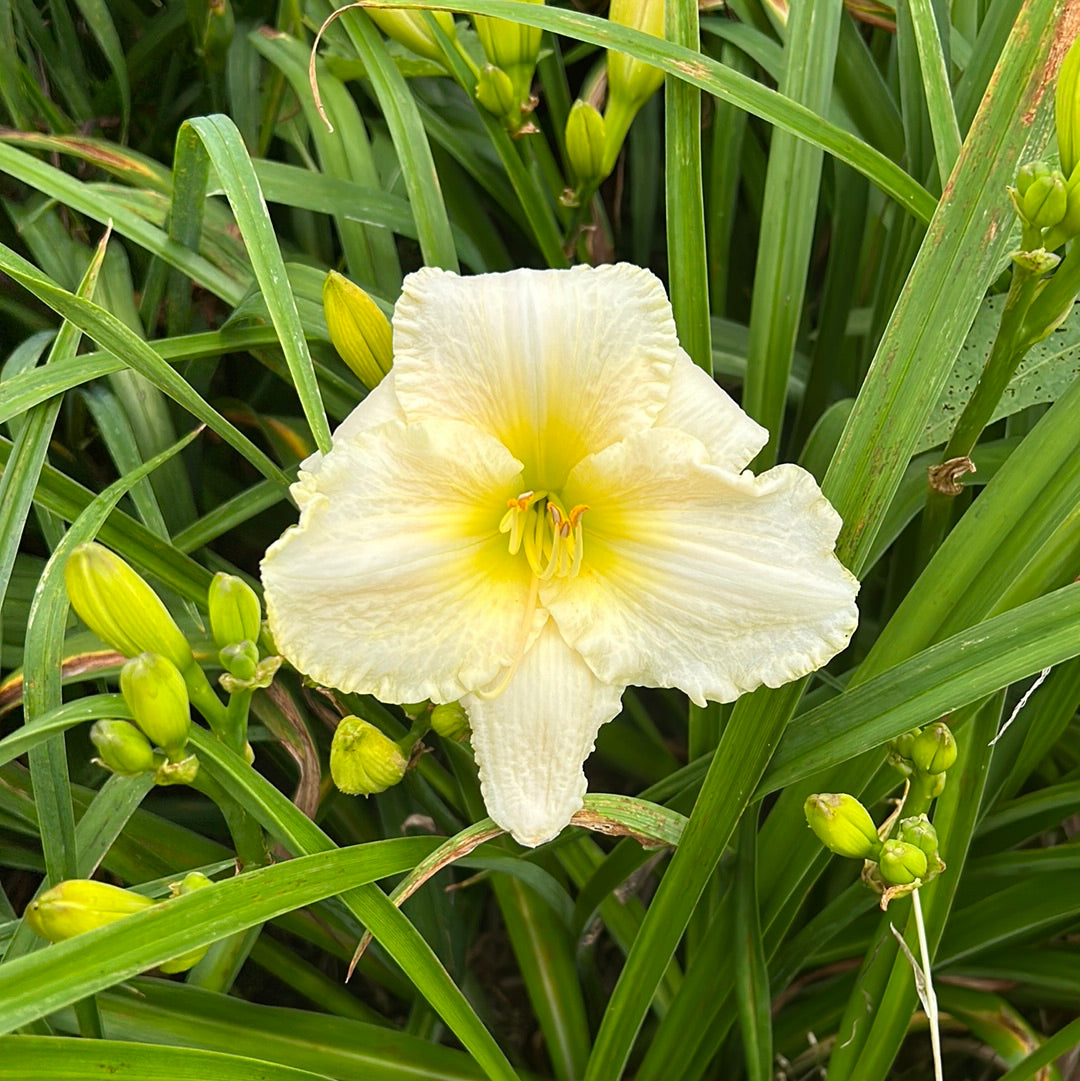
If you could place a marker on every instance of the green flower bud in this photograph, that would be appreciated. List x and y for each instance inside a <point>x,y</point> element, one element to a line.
<point>920,832</point>
<point>158,698</point>
<point>450,720</point>
<point>240,660</point>
<point>934,749</point>
<point>196,880</point>
<point>1044,203</point>
<point>842,824</point>
<point>235,613</point>
<point>1067,110</point>
<point>122,748</point>
<point>512,47</point>
<point>495,92</point>
<point>585,144</point>
<point>362,760</point>
<point>120,608</point>
<point>360,332</point>
<point>410,29</point>
<point>79,905</point>
<point>901,863</point>
<point>628,77</point>
<point>1026,175</point>
<point>192,881</point>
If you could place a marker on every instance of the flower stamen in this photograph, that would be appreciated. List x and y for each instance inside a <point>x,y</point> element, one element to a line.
<point>552,538</point>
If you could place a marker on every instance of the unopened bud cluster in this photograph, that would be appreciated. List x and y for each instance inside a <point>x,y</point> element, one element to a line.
<point>161,680</point>
<point>593,141</point>
<point>1048,199</point>
<point>898,857</point>
<point>504,85</point>
<point>892,865</point>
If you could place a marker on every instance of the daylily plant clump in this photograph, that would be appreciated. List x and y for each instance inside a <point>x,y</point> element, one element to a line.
<point>544,502</point>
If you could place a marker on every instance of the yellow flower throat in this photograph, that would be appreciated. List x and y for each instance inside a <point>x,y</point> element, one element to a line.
<point>552,537</point>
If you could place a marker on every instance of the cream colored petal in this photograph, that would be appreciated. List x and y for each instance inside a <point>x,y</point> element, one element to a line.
<point>693,577</point>
<point>698,406</point>
<point>396,582</point>
<point>379,406</point>
<point>532,740</point>
<point>555,363</point>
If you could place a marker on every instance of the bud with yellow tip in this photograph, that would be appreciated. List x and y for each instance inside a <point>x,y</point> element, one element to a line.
<point>842,824</point>
<point>79,905</point>
<point>120,608</point>
<point>363,761</point>
<point>158,698</point>
<point>358,329</point>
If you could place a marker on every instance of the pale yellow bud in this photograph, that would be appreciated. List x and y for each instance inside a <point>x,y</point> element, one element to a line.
<point>120,608</point>
<point>360,332</point>
<point>363,761</point>
<point>71,908</point>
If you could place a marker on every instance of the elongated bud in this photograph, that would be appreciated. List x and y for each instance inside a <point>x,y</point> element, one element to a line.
<point>120,608</point>
<point>360,332</point>
<point>901,863</point>
<point>410,29</point>
<point>842,824</point>
<point>628,77</point>
<point>934,749</point>
<point>362,760</point>
<point>513,48</point>
<point>122,748</point>
<point>235,613</point>
<point>1067,110</point>
<point>78,905</point>
<point>450,720</point>
<point>585,144</point>
<point>495,92</point>
<point>158,698</point>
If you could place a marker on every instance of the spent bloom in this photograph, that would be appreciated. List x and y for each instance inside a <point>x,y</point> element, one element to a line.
<point>543,502</point>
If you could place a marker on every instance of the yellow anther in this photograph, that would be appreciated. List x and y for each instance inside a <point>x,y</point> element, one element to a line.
<point>552,539</point>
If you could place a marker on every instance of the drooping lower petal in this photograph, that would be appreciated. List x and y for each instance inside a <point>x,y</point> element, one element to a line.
<point>699,578</point>
<point>532,739</point>
<point>396,582</point>
<point>555,364</point>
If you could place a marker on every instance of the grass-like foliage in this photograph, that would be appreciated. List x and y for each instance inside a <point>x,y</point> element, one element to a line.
<point>823,190</point>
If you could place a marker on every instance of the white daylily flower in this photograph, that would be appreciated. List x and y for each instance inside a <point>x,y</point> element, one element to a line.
<point>543,503</point>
